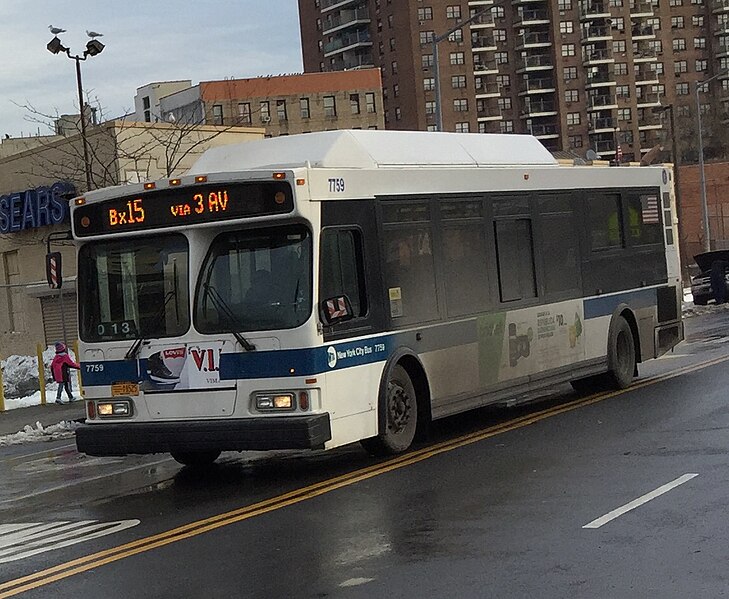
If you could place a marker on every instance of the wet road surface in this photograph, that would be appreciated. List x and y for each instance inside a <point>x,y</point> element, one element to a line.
<point>494,505</point>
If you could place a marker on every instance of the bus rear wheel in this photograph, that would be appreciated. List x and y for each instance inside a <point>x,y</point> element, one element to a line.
<point>195,459</point>
<point>400,405</point>
<point>621,356</point>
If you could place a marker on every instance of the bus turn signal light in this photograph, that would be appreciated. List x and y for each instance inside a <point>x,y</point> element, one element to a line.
<point>201,179</point>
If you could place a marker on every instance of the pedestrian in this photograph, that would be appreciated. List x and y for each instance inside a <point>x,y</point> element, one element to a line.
<point>61,370</point>
<point>718,280</point>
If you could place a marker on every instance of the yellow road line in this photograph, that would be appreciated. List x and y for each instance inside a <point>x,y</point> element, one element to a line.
<point>89,562</point>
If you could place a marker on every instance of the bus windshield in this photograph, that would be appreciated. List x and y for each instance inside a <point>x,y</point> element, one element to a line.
<point>255,280</point>
<point>134,288</point>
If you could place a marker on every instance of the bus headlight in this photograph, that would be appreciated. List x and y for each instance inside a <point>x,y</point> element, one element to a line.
<point>114,409</point>
<point>275,401</point>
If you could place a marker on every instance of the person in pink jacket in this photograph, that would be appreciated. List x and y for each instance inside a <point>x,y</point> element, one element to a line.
<point>60,366</point>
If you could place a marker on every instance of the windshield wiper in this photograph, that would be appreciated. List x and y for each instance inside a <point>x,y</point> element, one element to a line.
<point>134,349</point>
<point>222,306</point>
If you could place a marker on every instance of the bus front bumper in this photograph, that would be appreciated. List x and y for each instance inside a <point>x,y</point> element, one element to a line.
<point>281,432</point>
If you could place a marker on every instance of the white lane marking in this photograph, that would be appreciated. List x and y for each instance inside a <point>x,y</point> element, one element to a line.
<point>354,582</point>
<point>21,457</point>
<point>82,481</point>
<point>58,535</point>
<point>640,501</point>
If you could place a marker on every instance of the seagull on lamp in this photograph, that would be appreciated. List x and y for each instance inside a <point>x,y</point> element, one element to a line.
<point>56,30</point>
<point>94,34</point>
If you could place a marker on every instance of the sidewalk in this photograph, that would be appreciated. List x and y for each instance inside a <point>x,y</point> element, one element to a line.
<point>15,420</point>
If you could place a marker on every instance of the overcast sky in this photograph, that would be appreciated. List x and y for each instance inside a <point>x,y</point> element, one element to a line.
<point>145,42</point>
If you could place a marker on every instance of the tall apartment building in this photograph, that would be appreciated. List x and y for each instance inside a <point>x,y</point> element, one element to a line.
<point>578,74</point>
<point>282,105</point>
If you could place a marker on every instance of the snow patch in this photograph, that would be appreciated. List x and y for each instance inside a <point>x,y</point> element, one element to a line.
<point>33,434</point>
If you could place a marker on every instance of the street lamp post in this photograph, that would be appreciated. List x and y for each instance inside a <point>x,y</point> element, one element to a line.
<point>436,62</point>
<point>702,172</point>
<point>93,47</point>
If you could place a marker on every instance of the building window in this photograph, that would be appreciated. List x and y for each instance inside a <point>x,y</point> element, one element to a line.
<point>281,110</point>
<point>499,35</point>
<point>573,118</point>
<point>456,36</point>
<point>425,14</point>
<point>429,84</point>
<point>394,67</point>
<point>370,102</point>
<point>426,60</point>
<point>430,107</point>
<point>680,66</point>
<point>621,68</point>
<point>426,37</point>
<point>147,109</point>
<point>622,91</point>
<point>304,108</point>
<point>457,58</point>
<point>501,57</point>
<point>566,26</point>
<point>679,44</point>
<point>354,103</point>
<point>244,113</point>
<point>619,46</point>
<point>506,126</point>
<point>575,141</point>
<point>677,22</point>
<point>700,43</point>
<point>682,89</point>
<point>330,107</point>
<point>571,95</point>
<point>390,21</point>
<point>504,103</point>
<point>624,114</point>
<point>458,81</point>
<point>460,105</point>
<point>395,90</point>
<point>398,113</point>
<point>265,111</point>
<point>453,12</point>
<point>462,128</point>
<point>392,44</point>
<point>569,73</point>
<point>503,81</point>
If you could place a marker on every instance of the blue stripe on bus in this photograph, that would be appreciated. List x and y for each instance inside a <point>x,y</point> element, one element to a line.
<point>605,306</point>
<point>107,372</point>
<point>263,364</point>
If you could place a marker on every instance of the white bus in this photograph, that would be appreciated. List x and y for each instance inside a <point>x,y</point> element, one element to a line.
<point>311,291</point>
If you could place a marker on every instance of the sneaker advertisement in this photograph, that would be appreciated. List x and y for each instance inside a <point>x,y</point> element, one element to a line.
<point>180,368</point>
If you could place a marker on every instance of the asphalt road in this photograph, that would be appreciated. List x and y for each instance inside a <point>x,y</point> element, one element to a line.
<point>613,495</point>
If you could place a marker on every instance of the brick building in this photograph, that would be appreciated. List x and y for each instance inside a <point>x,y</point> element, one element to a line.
<point>283,105</point>
<point>578,74</point>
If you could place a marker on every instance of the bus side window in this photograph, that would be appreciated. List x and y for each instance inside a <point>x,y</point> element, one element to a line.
<point>515,257</point>
<point>342,268</point>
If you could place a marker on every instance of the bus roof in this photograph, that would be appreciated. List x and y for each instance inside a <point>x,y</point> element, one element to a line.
<point>367,149</point>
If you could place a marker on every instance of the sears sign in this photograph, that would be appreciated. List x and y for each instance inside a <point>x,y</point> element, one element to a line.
<point>33,208</point>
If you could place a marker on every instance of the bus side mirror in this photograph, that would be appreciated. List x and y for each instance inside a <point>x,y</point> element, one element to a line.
<point>336,309</point>
<point>54,274</point>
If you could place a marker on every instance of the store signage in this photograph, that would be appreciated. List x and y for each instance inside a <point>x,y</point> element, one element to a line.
<point>33,208</point>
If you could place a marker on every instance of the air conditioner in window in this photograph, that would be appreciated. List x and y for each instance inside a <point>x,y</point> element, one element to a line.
<point>265,119</point>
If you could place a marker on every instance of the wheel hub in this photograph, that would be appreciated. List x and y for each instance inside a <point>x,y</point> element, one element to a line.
<point>398,408</point>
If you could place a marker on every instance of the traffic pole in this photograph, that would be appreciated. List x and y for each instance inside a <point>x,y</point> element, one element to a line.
<point>41,373</point>
<point>2,392</point>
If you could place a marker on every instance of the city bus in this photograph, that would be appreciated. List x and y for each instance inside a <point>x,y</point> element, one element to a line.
<point>310,291</point>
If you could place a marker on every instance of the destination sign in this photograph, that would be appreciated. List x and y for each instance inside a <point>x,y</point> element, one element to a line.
<point>183,206</point>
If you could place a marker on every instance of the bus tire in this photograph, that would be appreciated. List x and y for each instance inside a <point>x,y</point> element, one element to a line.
<point>621,356</point>
<point>400,419</point>
<point>195,459</point>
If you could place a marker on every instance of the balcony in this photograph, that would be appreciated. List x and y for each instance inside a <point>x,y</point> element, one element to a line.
<point>543,131</point>
<point>533,39</point>
<point>487,89</point>
<point>649,139</point>
<point>358,61</point>
<point>538,108</point>
<point>605,145</point>
<point>643,32</point>
<point>601,102</point>
<point>484,20</point>
<point>535,62</point>
<point>327,5</point>
<point>591,32</point>
<point>602,76</point>
<point>647,99</point>
<point>644,53</point>
<point>537,85</point>
<point>480,43</point>
<point>596,56</point>
<point>718,6</point>
<point>641,8</point>
<point>528,17</point>
<point>346,18</point>
<point>645,75</point>
<point>488,110</point>
<point>484,67</point>
<point>347,42</point>
<point>594,9</point>
<point>603,124</point>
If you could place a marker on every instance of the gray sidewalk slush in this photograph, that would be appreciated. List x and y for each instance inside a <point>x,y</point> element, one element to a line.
<point>12,421</point>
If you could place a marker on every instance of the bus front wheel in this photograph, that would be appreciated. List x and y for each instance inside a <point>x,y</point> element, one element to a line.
<point>400,421</point>
<point>195,459</point>
<point>621,356</point>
